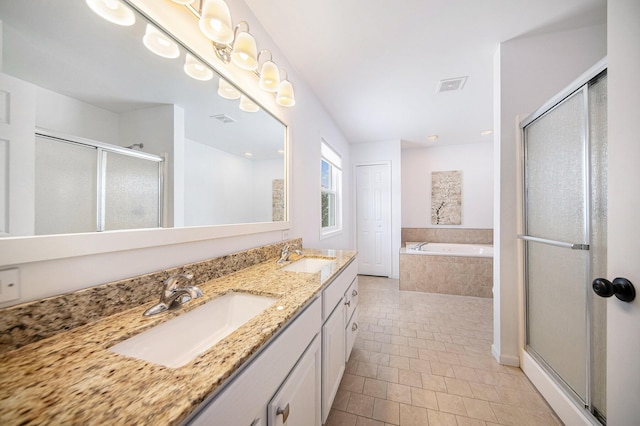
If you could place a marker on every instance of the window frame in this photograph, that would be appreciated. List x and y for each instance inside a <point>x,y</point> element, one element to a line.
<point>334,162</point>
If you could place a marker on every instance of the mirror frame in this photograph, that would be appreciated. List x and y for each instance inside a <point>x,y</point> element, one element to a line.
<point>38,248</point>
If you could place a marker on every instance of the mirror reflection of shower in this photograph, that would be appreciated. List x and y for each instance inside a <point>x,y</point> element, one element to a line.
<point>136,145</point>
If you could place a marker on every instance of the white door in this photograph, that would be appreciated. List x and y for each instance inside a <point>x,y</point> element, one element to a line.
<point>373,219</point>
<point>17,156</point>
<point>623,319</point>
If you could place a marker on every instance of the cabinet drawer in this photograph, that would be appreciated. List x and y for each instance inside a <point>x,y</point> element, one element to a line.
<point>351,300</point>
<point>351,333</point>
<point>335,290</point>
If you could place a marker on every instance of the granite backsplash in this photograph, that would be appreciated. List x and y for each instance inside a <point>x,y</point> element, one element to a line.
<point>32,321</point>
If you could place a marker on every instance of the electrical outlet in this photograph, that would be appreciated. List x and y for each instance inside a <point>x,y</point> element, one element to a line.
<point>9,285</point>
<point>285,234</point>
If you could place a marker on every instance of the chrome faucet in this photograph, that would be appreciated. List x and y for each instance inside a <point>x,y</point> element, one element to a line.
<point>286,253</point>
<point>419,246</point>
<point>173,296</point>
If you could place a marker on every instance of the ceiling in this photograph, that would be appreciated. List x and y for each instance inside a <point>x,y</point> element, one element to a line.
<point>375,64</point>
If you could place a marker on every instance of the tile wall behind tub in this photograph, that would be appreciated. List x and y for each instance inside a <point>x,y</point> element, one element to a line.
<point>447,235</point>
<point>33,321</point>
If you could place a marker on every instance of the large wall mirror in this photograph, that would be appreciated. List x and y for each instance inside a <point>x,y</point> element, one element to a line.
<point>114,133</point>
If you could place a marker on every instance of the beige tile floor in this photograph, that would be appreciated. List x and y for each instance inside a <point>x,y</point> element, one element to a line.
<point>425,359</point>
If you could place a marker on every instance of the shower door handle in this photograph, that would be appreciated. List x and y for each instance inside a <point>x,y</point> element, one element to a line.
<point>621,287</point>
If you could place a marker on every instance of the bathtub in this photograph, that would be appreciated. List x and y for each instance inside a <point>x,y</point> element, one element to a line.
<point>450,249</point>
<point>459,269</point>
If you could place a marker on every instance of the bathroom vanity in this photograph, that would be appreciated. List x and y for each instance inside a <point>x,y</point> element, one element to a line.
<point>271,370</point>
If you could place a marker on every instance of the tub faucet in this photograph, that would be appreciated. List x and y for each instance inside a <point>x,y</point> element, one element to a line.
<point>173,296</point>
<point>286,253</point>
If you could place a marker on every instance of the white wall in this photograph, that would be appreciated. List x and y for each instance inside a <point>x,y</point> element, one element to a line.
<point>307,121</point>
<point>64,114</point>
<point>376,152</point>
<point>224,188</point>
<point>476,163</point>
<point>264,173</point>
<point>527,73</point>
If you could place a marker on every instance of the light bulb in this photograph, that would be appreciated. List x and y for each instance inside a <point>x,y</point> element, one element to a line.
<point>215,21</point>
<point>269,77</point>
<point>226,90</point>
<point>285,96</point>
<point>196,69</point>
<point>244,52</point>
<point>247,104</point>
<point>157,42</point>
<point>113,11</point>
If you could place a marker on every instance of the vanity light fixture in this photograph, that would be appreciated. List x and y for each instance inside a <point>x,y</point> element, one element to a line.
<point>196,69</point>
<point>239,47</point>
<point>269,73</point>
<point>226,90</point>
<point>247,105</point>
<point>157,42</point>
<point>113,11</point>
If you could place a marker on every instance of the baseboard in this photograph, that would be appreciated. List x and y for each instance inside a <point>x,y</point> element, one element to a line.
<point>511,361</point>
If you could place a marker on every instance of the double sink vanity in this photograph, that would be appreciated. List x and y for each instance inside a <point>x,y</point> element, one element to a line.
<point>265,345</point>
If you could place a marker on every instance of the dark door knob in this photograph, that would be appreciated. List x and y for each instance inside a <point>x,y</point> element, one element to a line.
<point>621,287</point>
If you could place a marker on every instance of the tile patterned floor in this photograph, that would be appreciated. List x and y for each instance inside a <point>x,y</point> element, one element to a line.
<point>425,359</point>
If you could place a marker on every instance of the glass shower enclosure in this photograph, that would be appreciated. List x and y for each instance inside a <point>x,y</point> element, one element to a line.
<point>89,186</point>
<point>565,240</point>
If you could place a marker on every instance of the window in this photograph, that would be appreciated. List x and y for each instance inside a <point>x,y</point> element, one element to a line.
<point>330,190</point>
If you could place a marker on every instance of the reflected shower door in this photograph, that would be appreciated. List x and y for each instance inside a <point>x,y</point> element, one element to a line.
<point>132,192</point>
<point>565,247</point>
<point>65,187</point>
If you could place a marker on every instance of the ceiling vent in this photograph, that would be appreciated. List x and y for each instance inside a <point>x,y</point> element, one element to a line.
<point>451,84</point>
<point>223,118</point>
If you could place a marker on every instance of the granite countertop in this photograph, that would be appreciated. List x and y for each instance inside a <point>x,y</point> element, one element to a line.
<point>72,377</point>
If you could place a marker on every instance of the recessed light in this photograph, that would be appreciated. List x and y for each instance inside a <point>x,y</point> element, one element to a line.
<point>281,151</point>
<point>432,137</point>
<point>486,132</point>
<point>248,154</point>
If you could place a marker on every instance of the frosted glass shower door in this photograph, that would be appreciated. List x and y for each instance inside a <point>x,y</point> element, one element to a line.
<point>555,156</point>
<point>565,169</point>
<point>65,187</point>
<point>132,192</point>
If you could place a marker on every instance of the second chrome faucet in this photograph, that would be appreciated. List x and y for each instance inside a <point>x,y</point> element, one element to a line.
<point>173,296</point>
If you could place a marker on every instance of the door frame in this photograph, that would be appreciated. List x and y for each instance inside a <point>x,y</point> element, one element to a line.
<point>390,216</point>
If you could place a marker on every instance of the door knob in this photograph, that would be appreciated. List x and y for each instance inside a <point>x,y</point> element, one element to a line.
<point>621,287</point>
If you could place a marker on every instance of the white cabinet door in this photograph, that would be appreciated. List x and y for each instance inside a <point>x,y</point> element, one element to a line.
<point>333,357</point>
<point>297,403</point>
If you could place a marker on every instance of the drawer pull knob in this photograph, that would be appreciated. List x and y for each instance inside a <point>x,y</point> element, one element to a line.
<point>354,293</point>
<point>348,303</point>
<point>354,327</point>
<point>285,413</point>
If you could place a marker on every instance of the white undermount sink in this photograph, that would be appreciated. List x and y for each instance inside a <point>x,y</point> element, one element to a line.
<point>310,265</point>
<point>176,342</point>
